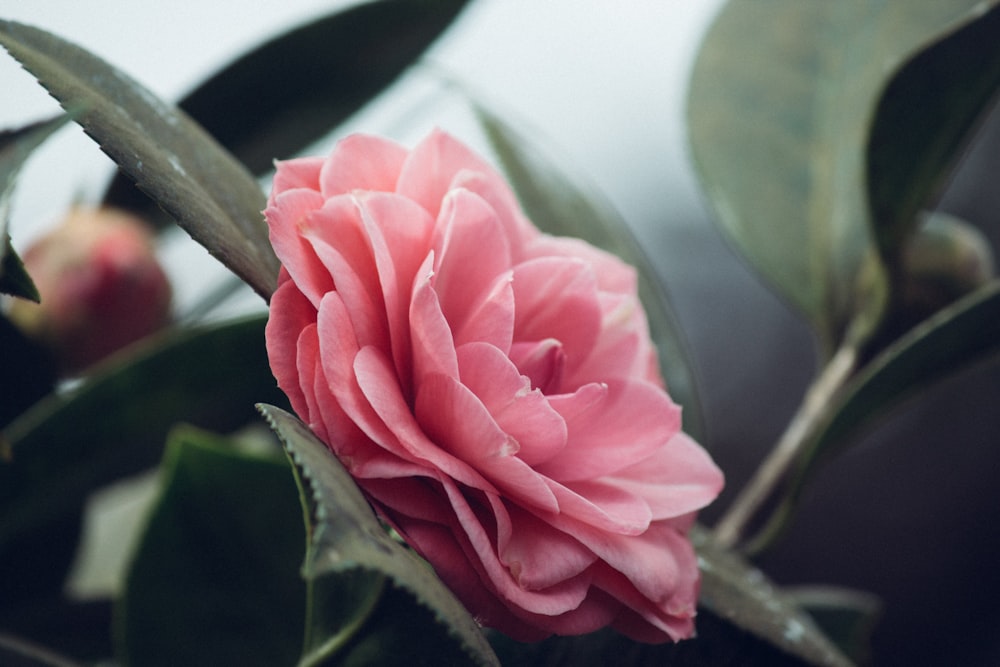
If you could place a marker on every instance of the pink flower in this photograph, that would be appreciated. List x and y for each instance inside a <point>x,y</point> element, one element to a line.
<point>492,389</point>
<point>101,287</point>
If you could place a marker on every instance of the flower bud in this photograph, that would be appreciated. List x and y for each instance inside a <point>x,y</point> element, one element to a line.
<point>945,260</point>
<point>101,287</point>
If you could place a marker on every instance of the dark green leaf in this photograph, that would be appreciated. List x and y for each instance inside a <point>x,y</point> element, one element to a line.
<point>16,652</point>
<point>402,613</point>
<point>16,146</point>
<point>781,102</point>
<point>169,156</point>
<point>70,627</point>
<point>29,372</point>
<point>559,206</point>
<point>924,119</point>
<point>848,617</point>
<point>114,425</point>
<point>956,337</point>
<point>214,579</point>
<point>286,93</point>
<point>742,595</point>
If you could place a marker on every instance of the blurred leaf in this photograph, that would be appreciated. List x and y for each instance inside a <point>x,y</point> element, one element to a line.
<point>848,617</point>
<point>924,119</point>
<point>953,339</point>
<point>400,612</point>
<point>16,146</point>
<point>559,206</point>
<point>718,644</point>
<point>114,424</point>
<point>15,652</point>
<point>288,92</point>
<point>781,102</point>
<point>214,580</point>
<point>742,595</point>
<point>29,373</point>
<point>169,156</point>
<point>70,627</point>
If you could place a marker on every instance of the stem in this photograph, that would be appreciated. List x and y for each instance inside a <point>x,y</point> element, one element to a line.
<point>730,528</point>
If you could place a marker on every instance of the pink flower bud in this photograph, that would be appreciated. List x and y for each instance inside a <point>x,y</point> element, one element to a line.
<point>101,287</point>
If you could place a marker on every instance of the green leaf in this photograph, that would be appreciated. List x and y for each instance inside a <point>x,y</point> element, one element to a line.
<point>742,595</point>
<point>169,156</point>
<point>278,98</point>
<point>848,617</point>
<point>953,339</point>
<point>401,613</point>
<point>779,124</point>
<point>16,146</point>
<point>924,119</point>
<point>214,579</point>
<point>29,372</point>
<point>114,425</point>
<point>560,206</point>
<point>15,652</point>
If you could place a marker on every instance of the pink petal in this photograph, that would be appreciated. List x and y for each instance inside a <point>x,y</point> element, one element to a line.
<point>379,386</point>
<point>287,214</point>
<point>613,275</point>
<point>398,231</point>
<point>433,345</point>
<point>294,174</point>
<point>455,419</point>
<point>432,166</point>
<point>676,480</point>
<point>522,413</point>
<point>557,298</point>
<point>362,162</point>
<point>672,606</point>
<point>543,362</point>
<point>538,555</point>
<point>290,313</point>
<point>342,244</point>
<point>338,352</point>
<point>633,420</point>
<point>492,188</point>
<point>471,253</point>
<point>307,362</point>
<point>656,562</point>
<point>557,599</point>
<point>491,319</point>
<point>602,507</point>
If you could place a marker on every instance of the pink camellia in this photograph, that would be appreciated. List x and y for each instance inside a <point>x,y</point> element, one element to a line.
<point>492,389</point>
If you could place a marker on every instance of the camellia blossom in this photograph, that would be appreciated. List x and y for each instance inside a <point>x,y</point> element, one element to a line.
<point>492,389</point>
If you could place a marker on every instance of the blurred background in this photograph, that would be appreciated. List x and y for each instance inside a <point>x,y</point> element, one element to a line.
<point>911,513</point>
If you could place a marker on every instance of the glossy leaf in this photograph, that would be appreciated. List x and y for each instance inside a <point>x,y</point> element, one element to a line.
<point>214,579</point>
<point>924,120</point>
<point>560,206</point>
<point>114,425</point>
<point>16,146</point>
<point>401,612</point>
<point>742,595</point>
<point>781,102</point>
<point>169,156</point>
<point>288,92</point>
<point>956,337</point>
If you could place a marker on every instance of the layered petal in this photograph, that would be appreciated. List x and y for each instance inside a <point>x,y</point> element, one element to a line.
<point>493,390</point>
